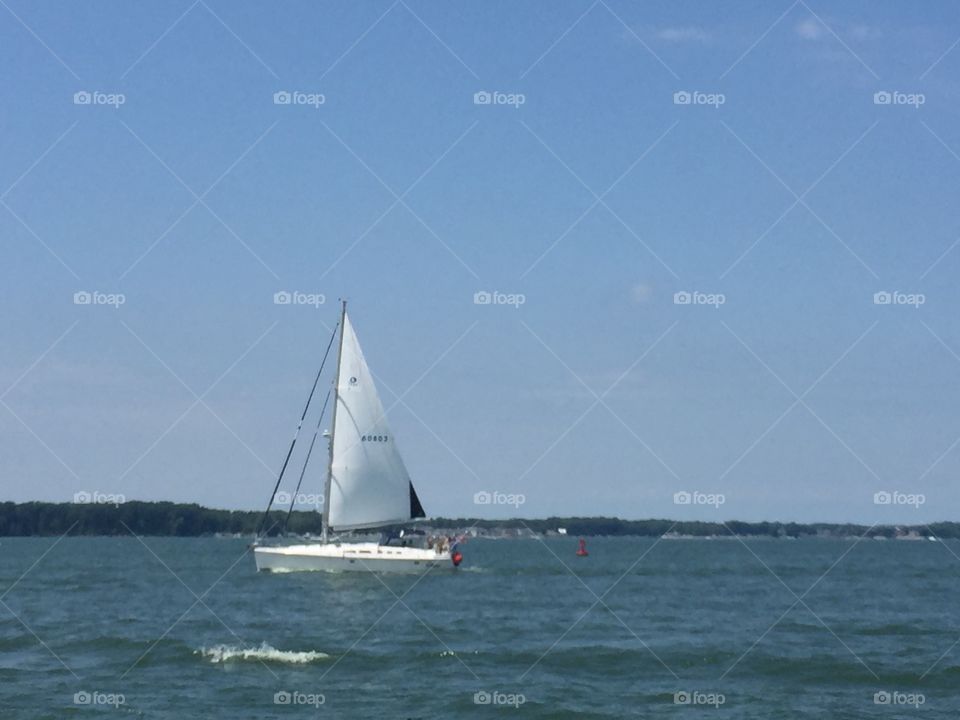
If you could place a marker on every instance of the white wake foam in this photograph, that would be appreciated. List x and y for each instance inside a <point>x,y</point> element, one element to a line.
<point>265,653</point>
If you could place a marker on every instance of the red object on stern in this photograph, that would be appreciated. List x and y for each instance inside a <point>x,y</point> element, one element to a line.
<point>456,557</point>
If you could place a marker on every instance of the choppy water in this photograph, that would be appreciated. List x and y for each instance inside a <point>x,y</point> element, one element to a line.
<point>195,632</point>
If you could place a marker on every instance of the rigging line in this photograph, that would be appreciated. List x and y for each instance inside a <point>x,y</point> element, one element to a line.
<point>293,442</point>
<point>303,470</point>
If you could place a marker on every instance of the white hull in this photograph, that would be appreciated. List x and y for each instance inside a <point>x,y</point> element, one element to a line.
<point>358,557</point>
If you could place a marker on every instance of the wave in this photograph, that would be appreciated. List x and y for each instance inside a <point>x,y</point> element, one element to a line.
<point>264,653</point>
<point>901,629</point>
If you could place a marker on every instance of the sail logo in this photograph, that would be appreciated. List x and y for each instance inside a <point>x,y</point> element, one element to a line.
<point>483,97</point>
<point>695,697</point>
<point>114,100</point>
<point>696,297</point>
<point>699,498</point>
<point>899,498</point>
<point>695,97</point>
<point>482,297</point>
<point>895,697</point>
<point>96,497</point>
<point>295,97</point>
<point>85,697</point>
<point>286,697</point>
<point>295,297</point>
<point>83,297</point>
<point>495,697</point>
<point>895,97</point>
<point>886,297</point>
<point>499,498</point>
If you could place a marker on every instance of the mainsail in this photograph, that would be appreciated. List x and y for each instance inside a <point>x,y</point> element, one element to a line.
<point>369,485</point>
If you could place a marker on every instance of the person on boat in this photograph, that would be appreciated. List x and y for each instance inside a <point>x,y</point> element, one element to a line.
<point>387,536</point>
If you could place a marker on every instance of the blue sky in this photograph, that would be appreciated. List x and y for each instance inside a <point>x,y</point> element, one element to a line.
<point>787,189</point>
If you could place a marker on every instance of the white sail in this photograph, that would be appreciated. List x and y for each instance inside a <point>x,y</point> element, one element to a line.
<point>369,484</point>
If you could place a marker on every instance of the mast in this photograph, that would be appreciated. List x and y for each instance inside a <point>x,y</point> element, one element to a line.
<point>333,430</point>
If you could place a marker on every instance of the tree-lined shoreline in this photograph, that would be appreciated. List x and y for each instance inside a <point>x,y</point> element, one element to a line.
<point>191,520</point>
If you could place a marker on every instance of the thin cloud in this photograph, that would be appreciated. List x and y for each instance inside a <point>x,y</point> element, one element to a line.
<point>814,30</point>
<point>811,29</point>
<point>683,34</point>
<point>865,32</point>
<point>640,293</point>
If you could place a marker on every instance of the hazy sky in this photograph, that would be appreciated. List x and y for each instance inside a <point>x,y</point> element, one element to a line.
<point>786,189</point>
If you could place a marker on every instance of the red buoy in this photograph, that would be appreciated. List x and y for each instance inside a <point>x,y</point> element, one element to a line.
<point>582,550</point>
<point>456,557</point>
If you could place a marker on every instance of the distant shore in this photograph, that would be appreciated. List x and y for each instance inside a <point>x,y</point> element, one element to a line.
<point>189,520</point>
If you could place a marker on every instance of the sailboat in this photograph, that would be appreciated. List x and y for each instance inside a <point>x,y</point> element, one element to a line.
<point>367,484</point>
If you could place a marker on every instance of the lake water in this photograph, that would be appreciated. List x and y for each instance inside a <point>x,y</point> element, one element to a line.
<point>185,628</point>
